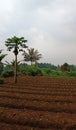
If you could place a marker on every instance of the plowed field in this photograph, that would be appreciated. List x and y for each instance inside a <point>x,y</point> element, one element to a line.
<point>38,103</point>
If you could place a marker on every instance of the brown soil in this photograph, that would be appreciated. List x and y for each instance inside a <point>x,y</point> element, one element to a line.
<point>38,103</point>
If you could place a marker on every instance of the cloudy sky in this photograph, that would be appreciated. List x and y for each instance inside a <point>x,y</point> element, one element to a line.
<point>48,25</point>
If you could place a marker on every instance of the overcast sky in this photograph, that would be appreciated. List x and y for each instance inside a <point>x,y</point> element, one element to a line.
<point>48,25</point>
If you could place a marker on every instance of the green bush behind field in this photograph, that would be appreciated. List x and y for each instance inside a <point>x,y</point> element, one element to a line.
<point>32,70</point>
<point>8,73</point>
<point>36,71</point>
<point>62,74</point>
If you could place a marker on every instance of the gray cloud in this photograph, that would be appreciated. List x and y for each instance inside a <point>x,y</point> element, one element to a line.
<point>49,26</point>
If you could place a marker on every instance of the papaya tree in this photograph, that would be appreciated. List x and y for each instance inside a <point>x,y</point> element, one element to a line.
<point>16,44</point>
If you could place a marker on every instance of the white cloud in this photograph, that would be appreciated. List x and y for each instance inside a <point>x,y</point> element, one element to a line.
<point>48,25</point>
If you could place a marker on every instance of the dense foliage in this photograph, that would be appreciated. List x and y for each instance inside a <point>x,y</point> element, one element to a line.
<point>47,65</point>
<point>42,69</point>
<point>65,67</point>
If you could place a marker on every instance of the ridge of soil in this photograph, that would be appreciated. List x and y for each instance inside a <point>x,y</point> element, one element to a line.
<point>38,103</point>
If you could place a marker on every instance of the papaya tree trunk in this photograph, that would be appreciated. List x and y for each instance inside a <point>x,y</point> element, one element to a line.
<point>15,71</point>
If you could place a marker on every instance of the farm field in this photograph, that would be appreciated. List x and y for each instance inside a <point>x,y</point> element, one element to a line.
<point>38,103</point>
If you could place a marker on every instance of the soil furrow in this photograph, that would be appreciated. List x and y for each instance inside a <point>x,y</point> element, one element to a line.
<point>39,105</point>
<point>41,93</point>
<point>50,100</point>
<point>35,118</point>
<point>39,97</point>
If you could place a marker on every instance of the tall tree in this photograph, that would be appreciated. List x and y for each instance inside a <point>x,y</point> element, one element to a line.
<point>65,67</point>
<point>32,55</point>
<point>17,44</point>
<point>2,56</point>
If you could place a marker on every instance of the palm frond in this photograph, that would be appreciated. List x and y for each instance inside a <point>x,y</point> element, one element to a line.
<point>15,42</point>
<point>2,56</point>
<point>32,55</point>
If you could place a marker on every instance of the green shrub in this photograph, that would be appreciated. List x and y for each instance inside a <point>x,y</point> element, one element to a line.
<point>53,73</point>
<point>72,74</point>
<point>35,72</point>
<point>45,71</point>
<point>32,71</point>
<point>1,80</point>
<point>8,73</point>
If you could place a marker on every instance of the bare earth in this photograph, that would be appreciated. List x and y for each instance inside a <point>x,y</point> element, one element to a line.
<point>38,103</point>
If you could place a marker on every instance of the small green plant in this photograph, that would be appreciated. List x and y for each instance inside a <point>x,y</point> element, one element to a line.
<point>1,80</point>
<point>35,71</point>
<point>32,70</point>
<point>8,73</point>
